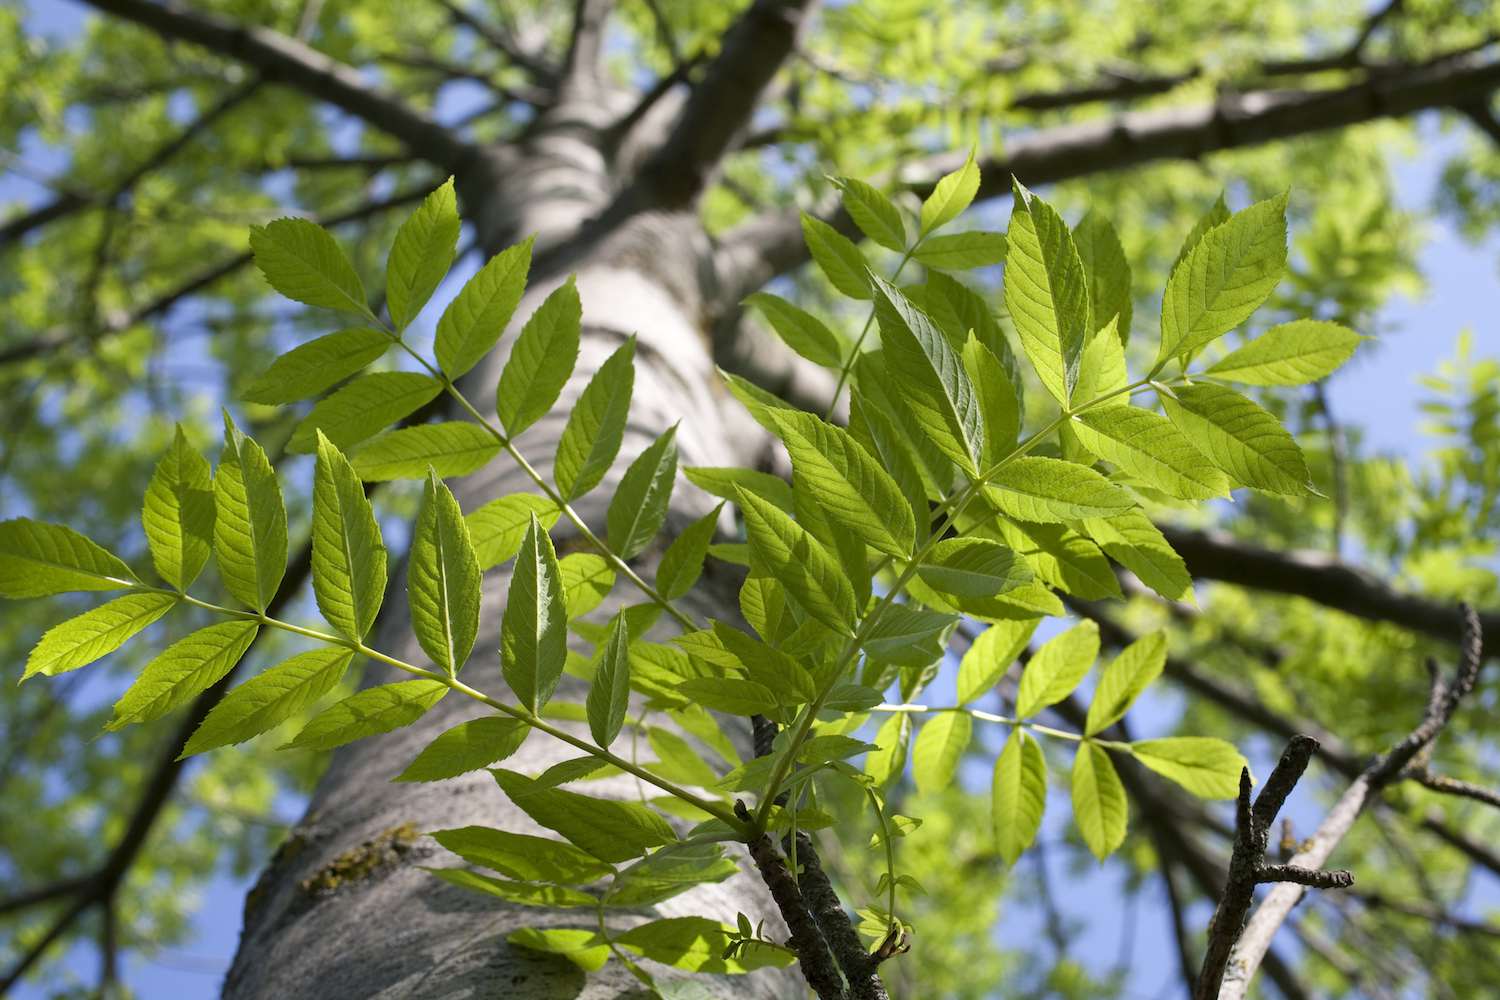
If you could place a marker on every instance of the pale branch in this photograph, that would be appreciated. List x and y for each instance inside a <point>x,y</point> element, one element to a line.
<point>282,59</point>
<point>450,71</point>
<point>721,105</point>
<point>582,63</point>
<point>1452,786</point>
<point>760,250</point>
<point>501,41</point>
<point>1277,906</point>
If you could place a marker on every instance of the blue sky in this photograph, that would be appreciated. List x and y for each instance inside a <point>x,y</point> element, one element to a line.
<point>1380,395</point>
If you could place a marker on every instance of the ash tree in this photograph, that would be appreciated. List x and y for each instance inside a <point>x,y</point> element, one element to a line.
<point>704,500</point>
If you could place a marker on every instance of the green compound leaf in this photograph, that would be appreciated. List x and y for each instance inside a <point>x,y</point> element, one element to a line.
<point>455,448</point>
<point>800,330</point>
<point>371,712</point>
<point>1207,767</point>
<point>541,360</point>
<point>1225,278</point>
<point>991,655</point>
<point>421,255</point>
<point>307,370</point>
<point>534,631</point>
<point>596,425</point>
<point>267,700</point>
<point>38,559</point>
<point>961,251</point>
<point>498,528</point>
<point>682,563</point>
<point>80,641</point>
<point>611,831</point>
<point>302,261</point>
<point>348,555</point>
<point>1295,353</point>
<point>847,482</point>
<point>1018,794</point>
<point>1240,438</point>
<point>178,514</point>
<point>1108,274</point>
<point>873,213</point>
<point>478,315</point>
<point>524,857</point>
<point>1127,675</point>
<point>1034,488</point>
<point>1057,668</point>
<point>443,580</point>
<point>1046,292</point>
<point>609,694</point>
<point>364,408</point>
<point>799,562</point>
<point>950,196</point>
<point>467,747</point>
<point>182,671</point>
<point>249,521</point>
<point>837,257</point>
<point>939,746</point>
<point>1099,806</point>
<point>1148,446</point>
<point>639,507</point>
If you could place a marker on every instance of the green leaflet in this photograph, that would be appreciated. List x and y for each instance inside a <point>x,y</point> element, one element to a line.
<point>990,657</point>
<point>1147,445</point>
<point>1057,668</point>
<point>303,261</point>
<point>961,251</point>
<point>1224,278</point>
<point>1207,767</point>
<point>348,555</point>
<point>1217,215</point>
<point>498,528</point>
<point>363,408</point>
<point>837,257</point>
<point>609,694</point>
<point>1064,559</point>
<point>265,701</point>
<point>1294,353</point>
<point>611,831</point>
<point>596,425</point>
<point>800,330</point>
<point>733,695</point>
<point>1240,438</point>
<point>939,746</point>
<point>973,567</point>
<point>534,631</point>
<point>249,521</point>
<point>310,368</point>
<point>80,641</point>
<point>844,480</point>
<point>541,360</point>
<point>873,213</point>
<point>909,636</point>
<point>1018,794</point>
<point>875,432</point>
<point>1108,274</point>
<point>371,712</point>
<point>478,315</point>
<point>886,413</point>
<point>1102,372</point>
<point>669,872</point>
<point>524,857</point>
<point>998,401</point>
<point>1131,540</point>
<point>443,580</point>
<point>1099,806</point>
<point>526,893</point>
<point>886,764</point>
<point>698,944</point>
<point>682,563</point>
<point>932,377</point>
<point>421,255</point>
<point>678,761</point>
<point>1127,675</point>
<point>178,514</point>
<point>721,482</point>
<point>184,669</point>
<point>1046,292</point>
<point>959,310</point>
<point>586,581</point>
<point>1033,488</point>
<point>467,747</point>
<point>455,448</point>
<point>584,948</point>
<point>950,196</point>
<point>799,563</point>
<point>639,506</point>
<point>38,559</point>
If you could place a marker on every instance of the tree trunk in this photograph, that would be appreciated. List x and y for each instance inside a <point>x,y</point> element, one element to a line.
<point>343,910</point>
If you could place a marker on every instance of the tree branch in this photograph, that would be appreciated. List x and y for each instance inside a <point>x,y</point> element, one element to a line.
<point>282,59</point>
<point>498,39</point>
<point>580,75</point>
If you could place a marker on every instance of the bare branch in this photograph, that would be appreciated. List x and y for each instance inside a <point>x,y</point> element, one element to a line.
<point>1452,786</point>
<point>501,40</point>
<point>580,75</point>
<point>282,59</point>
